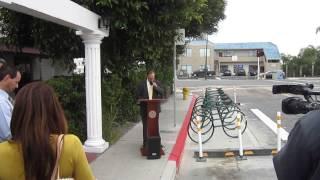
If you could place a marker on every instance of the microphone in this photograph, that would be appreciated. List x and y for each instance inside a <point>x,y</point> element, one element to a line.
<point>292,89</point>
<point>151,83</point>
<point>296,105</point>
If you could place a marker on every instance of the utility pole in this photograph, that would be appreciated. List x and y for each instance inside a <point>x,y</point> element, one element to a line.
<point>258,68</point>
<point>174,83</point>
<point>259,54</point>
<point>312,69</point>
<point>206,63</point>
<point>178,40</point>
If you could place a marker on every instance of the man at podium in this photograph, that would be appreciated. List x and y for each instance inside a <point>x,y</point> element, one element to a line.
<point>148,89</point>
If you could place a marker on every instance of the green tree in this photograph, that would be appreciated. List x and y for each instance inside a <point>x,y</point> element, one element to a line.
<point>286,59</point>
<point>309,56</point>
<point>307,60</point>
<point>306,63</point>
<point>140,31</point>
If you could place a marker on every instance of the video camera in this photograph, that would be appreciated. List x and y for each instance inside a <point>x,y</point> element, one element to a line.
<point>296,105</point>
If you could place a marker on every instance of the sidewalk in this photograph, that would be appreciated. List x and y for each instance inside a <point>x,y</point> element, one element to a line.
<point>123,159</point>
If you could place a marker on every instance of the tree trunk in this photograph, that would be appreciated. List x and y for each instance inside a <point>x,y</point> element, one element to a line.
<point>300,71</point>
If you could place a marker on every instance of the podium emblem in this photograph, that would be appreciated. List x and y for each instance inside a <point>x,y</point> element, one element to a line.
<point>152,114</point>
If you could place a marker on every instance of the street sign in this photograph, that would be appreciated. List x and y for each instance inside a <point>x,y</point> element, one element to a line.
<point>234,58</point>
<point>180,38</point>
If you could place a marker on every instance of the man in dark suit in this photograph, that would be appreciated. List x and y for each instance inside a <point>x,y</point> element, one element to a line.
<point>148,89</point>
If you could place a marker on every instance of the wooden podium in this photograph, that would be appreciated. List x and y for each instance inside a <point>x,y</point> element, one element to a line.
<point>153,149</point>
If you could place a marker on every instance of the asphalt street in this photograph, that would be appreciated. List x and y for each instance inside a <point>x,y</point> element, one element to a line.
<point>254,94</point>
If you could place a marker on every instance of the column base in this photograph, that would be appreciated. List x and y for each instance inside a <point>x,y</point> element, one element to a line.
<point>95,146</point>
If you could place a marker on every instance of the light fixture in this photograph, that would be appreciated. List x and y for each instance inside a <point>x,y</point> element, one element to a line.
<point>104,22</point>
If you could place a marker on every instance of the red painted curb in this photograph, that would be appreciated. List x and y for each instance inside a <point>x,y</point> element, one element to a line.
<point>176,152</point>
<point>91,156</point>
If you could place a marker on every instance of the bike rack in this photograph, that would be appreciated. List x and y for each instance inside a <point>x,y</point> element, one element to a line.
<point>215,109</point>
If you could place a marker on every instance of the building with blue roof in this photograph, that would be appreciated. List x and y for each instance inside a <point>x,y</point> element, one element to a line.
<point>270,50</point>
<point>236,56</point>
<point>232,56</point>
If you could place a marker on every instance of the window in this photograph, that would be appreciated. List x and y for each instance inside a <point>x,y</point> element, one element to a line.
<point>252,53</point>
<point>188,52</point>
<point>253,68</point>
<point>220,54</point>
<point>187,68</point>
<point>273,60</point>
<point>203,52</point>
<point>228,54</point>
<point>202,67</point>
<point>237,67</point>
<point>223,68</point>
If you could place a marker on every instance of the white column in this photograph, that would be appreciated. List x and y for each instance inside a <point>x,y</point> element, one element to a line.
<point>94,142</point>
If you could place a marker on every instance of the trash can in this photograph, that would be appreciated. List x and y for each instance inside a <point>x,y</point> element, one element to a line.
<point>185,92</point>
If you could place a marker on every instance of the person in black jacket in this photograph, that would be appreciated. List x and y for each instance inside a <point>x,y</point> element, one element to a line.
<point>299,159</point>
<point>148,89</point>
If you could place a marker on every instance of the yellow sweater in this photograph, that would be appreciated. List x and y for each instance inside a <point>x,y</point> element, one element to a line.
<point>73,162</point>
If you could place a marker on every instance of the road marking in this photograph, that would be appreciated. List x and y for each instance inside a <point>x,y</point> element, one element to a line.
<point>289,82</point>
<point>272,125</point>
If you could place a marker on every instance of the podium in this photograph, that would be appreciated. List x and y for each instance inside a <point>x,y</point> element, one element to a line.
<point>153,149</point>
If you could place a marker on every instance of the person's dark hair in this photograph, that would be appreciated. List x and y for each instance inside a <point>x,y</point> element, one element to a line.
<point>150,72</point>
<point>37,115</point>
<point>6,69</point>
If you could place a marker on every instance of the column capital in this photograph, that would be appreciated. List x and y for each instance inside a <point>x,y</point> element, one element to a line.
<point>90,37</point>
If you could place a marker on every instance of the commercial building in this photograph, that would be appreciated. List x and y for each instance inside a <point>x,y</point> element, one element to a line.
<point>197,53</point>
<point>230,56</point>
<point>235,56</point>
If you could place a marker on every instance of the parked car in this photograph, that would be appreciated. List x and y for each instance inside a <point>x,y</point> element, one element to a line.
<point>227,73</point>
<point>183,74</point>
<point>277,74</point>
<point>241,72</point>
<point>268,75</point>
<point>201,74</point>
<point>253,73</point>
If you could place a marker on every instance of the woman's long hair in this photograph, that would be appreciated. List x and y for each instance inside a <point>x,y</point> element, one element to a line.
<point>37,114</point>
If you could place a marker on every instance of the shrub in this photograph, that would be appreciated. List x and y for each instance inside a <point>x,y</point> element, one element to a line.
<point>71,93</point>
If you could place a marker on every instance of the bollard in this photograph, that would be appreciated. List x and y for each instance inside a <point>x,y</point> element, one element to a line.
<point>200,158</point>
<point>278,131</point>
<point>185,92</point>
<point>240,157</point>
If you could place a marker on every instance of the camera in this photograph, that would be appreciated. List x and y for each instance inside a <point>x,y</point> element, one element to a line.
<point>298,105</point>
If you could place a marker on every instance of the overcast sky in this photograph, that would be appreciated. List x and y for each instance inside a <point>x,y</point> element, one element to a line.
<point>290,24</point>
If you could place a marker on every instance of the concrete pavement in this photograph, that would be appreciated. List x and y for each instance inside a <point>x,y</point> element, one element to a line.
<point>256,136</point>
<point>123,159</point>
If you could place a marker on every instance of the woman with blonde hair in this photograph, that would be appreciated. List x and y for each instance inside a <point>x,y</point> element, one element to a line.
<point>37,121</point>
